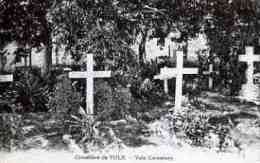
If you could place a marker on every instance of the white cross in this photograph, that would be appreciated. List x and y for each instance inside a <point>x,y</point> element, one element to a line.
<point>209,72</point>
<point>249,58</point>
<point>178,72</point>
<point>6,78</point>
<point>90,74</point>
<point>165,77</point>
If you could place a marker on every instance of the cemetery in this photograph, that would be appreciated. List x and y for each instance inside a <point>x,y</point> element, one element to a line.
<point>171,81</point>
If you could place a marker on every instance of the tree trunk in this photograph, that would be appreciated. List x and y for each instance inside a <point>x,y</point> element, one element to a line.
<point>25,62</point>
<point>57,55</point>
<point>30,58</point>
<point>1,63</point>
<point>185,49</point>
<point>142,51</point>
<point>48,54</point>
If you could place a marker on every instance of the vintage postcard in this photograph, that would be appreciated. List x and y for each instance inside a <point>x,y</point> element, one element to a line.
<point>173,81</point>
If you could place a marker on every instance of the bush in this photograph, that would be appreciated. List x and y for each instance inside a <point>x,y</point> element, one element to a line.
<point>112,103</point>
<point>65,99</point>
<point>28,93</point>
<point>11,132</point>
<point>8,101</point>
<point>80,126</point>
<point>32,91</point>
<point>64,102</point>
<point>199,128</point>
<point>193,123</point>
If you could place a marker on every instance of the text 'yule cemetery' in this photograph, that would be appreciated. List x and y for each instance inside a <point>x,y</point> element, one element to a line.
<point>166,73</point>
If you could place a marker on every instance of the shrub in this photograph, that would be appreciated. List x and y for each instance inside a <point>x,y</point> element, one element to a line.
<point>111,103</point>
<point>8,101</point>
<point>196,129</point>
<point>64,98</point>
<point>28,93</point>
<point>11,132</point>
<point>200,128</point>
<point>64,101</point>
<point>32,91</point>
<point>193,123</point>
<point>80,126</point>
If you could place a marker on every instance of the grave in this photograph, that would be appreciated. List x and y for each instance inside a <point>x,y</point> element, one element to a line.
<point>89,74</point>
<point>209,74</point>
<point>178,73</point>
<point>249,90</point>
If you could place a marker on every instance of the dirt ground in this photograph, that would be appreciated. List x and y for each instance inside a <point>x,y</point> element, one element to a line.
<point>163,146</point>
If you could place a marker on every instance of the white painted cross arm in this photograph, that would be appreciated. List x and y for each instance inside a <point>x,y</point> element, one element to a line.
<point>96,74</point>
<point>164,75</point>
<point>6,78</point>
<point>190,71</point>
<point>169,73</point>
<point>249,56</point>
<point>246,58</point>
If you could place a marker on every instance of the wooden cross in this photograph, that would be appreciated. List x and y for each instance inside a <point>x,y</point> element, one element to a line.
<point>177,72</point>
<point>209,72</point>
<point>249,58</point>
<point>90,74</point>
<point>6,78</point>
<point>180,71</point>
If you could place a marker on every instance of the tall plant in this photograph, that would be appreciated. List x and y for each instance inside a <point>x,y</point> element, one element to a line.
<point>32,91</point>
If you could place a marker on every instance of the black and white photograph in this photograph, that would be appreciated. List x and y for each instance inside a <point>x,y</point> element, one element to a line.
<point>170,81</point>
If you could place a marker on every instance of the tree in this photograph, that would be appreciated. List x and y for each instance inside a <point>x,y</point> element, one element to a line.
<point>90,27</point>
<point>2,60</point>
<point>156,19</point>
<point>109,28</point>
<point>230,26</point>
<point>26,22</point>
<point>106,28</point>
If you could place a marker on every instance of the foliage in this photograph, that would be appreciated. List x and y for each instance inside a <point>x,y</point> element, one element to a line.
<point>28,93</point>
<point>229,27</point>
<point>100,27</point>
<point>11,132</point>
<point>7,99</point>
<point>109,28</point>
<point>111,103</point>
<point>139,79</point>
<point>194,124</point>
<point>80,126</point>
<point>31,130</point>
<point>24,21</point>
<point>200,128</point>
<point>32,91</point>
<point>64,98</point>
<point>89,27</point>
